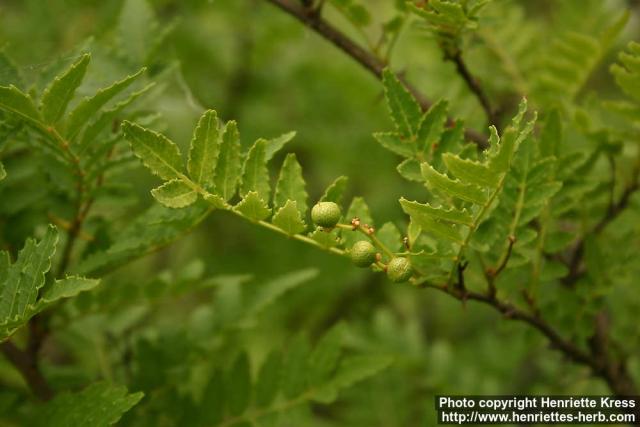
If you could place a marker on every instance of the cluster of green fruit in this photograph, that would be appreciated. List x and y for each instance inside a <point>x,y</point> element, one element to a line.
<point>363,253</point>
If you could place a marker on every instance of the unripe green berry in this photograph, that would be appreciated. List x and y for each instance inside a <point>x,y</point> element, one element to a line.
<point>325,214</point>
<point>399,270</point>
<point>363,253</point>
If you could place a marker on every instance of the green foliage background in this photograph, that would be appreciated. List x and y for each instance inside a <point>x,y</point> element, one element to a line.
<point>174,322</point>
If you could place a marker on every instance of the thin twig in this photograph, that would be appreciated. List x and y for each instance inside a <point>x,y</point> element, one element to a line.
<point>613,211</point>
<point>368,60</point>
<point>27,365</point>
<point>474,87</point>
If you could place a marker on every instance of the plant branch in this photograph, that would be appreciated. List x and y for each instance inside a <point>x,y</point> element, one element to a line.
<point>474,86</point>
<point>368,60</point>
<point>614,210</point>
<point>26,363</point>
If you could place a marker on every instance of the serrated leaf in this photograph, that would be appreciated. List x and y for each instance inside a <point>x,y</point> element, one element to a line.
<point>410,170</point>
<point>404,109</point>
<point>291,185</point>
<point>107,117</point>
<point>268,382</point>
<point>253,207</point>
<point>432,126</point>
<point>396,143</point>
<point>255,176</point>
<point>417,210</point>
<point>26,276</point>
<point>229,163</point>
<point>9,72</point>
<point>471,172</point>
<point>99,405</point>
<point>238,385</point>
<point>275,144</point>
<point>288,218</point>
<point>454,188</point>
<point>15,102</point>
<point>203,153</point>
<point>175,194</point>
<point>57,96</point>
<point>335,191</point>
<point>157,152</point>
<point>67,288</point>
<point>89,106</point>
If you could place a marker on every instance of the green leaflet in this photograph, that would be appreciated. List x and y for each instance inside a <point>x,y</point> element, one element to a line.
<point>453,215</point>
<point>439,182</point>
<point>60,92</point>
<point>288,218</point>
<point>21,282</point>
<point>470,171</point>
<point>294,380</point>
<point>275,144</point>
<point>99,405</point>
<point>159,154</point>
<point>255,176</point>
<point>25,277</point>
<point>351,370</point>
<point>404,109</point>
<point>155,228</point>
<point>227,171</point>
<point>89,106</point>
<point>3,172</point>
<point>13,101</point>
<point>106,117</point>
<point>203,154</point>
<point>238,385</point>
<point>432,126</point>
<point>9,72</point>
<point>300,376</point>
<point>268,381</point>
<point>335,191</point>
<point>627,71</point>
<point>291,185</point>
<point>325,356</point>
<point>410,170</point>
<point>67,288</point>
<point>572,59</point>
<point>175,194</point>
<point>396,143</point>
<point>253,207</point>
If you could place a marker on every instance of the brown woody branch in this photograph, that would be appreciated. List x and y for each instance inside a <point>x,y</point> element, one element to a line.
<point>26,363</point>
<point>576,270</point>
<point>312,19</point>
<point>613,372</point>
<point>474,87</point>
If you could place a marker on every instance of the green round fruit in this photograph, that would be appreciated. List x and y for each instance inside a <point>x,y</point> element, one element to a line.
<point>363,253</point>
<point>325,214</point>
<point>399,270</point>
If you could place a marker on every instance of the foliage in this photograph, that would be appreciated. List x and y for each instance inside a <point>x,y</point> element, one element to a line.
<point>204,291</point>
